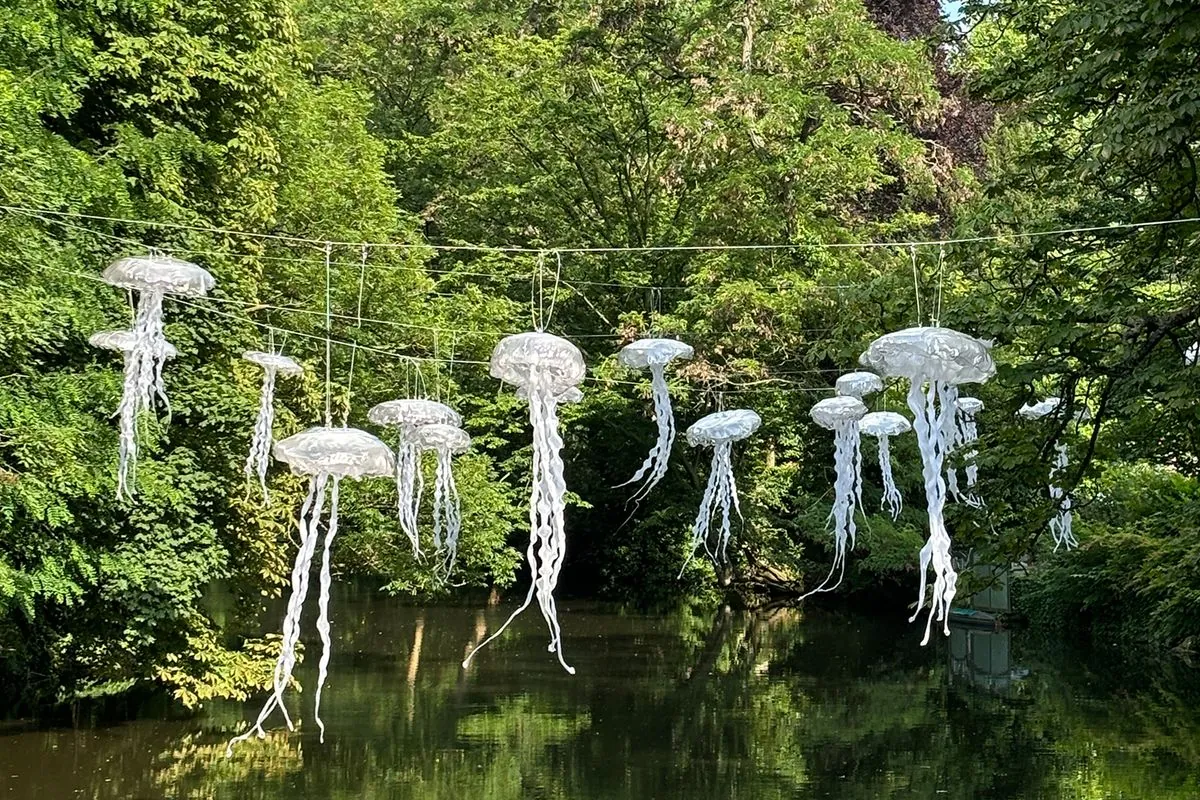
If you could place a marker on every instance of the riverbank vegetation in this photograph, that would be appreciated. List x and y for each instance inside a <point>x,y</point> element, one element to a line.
<point>598,125</point>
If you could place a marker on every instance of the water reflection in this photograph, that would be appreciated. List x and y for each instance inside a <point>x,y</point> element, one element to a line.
<point>690,705</point>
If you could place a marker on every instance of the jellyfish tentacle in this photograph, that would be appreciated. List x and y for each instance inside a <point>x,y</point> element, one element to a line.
<point>406,469</point>
<point>127,413</point>
<point>654,468</point>
<point>260,443</point>
<point>323,603</point>
<point>892,498</point>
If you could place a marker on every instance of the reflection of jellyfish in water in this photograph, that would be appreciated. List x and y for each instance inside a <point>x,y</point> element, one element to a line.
<point>260,442</point>
<point>858,384</point>
<point>124,342</point>
<point>546,367</point>
<point>883,425</point>
<point>325,455</point>
<point>655,355</point>
<point>152,277</point>
<point>1060,524</point>
<point>718,431</point>
<point>936,361</point>
<point>446,441</point>
<point>966,433</point>
<point>408,415</point>
<point>841,415</point>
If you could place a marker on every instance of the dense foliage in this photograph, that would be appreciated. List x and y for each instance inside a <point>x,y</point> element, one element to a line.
<point>557,127</point>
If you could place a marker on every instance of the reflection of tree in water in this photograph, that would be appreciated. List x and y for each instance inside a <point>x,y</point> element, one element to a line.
<point>726,705</point>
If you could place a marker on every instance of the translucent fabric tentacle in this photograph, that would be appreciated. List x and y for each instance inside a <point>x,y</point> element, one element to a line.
<point>547,505</point>
<point>308,524</point>
<point>127,414</point>
<point>260,442</point>
<point>323,603</point>
<point>406,477</point>
<point>708,504</point>
<point>966,433</point>
<point>892,499</point>
<point>1060,523</point>
<point>447,510</point>
<point>847,480</point>
<point>654,468</point>
<point>933,410</point>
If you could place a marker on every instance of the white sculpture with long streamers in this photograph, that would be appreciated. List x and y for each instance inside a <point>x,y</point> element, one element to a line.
<point>655,355</point>
<point>858,384</point>
<point>1060,524</point>
<point>260,442</point>
<point>883,425</point>
<point>935,361</point>
<point>841,415</point>
<point>547,368</point>
<point>152,277</point>
<point>966,433</point>
<point>326,456</point>
<point>408,415</point>
<point>446,441</point>
<point>718,431</point>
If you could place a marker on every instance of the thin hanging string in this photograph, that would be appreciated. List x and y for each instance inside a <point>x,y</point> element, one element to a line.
<point>554,291</point>
<point>912,251</point>
<point>362,277</point>
<point>941,290</point>
<point>328,339</point>
<point>535,280</point>
<point>437,383</point>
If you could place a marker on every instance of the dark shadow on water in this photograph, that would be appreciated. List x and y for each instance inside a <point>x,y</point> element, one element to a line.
<point>696,703</point>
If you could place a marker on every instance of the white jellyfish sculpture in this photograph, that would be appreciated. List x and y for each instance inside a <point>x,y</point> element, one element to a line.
<point>858,384</point>
<point>883,425</point>
<point>260,442</point>
<point>966,433</point>
<point>1060,524</point>
<point>935,361</point>
<point>1191,356</point>
<point>152,277</point>
<point>325,456</point>
<point>408,415</point>
<point>446,441</point>
<point>841,415</point>
<point>123,342</point>
<point>718,431</point>
<point>546,368</point>
<point>655,355</point>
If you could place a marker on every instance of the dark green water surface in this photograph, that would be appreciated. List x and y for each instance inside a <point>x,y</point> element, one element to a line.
<point>698,705</point>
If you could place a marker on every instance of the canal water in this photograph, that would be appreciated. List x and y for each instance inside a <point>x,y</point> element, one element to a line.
<point>697,704</point>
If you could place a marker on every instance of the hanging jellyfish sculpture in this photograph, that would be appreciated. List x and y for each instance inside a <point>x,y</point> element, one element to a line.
<point>718,431</point>
<point>883,425</point>
<point>326,456</point>
<point>152,277</point>
<point>408,415</point>
<point>935,361</point>
<point>1191,356</point>
<point>546,367</point>
<point>124,342</point>
<point>841,415</point>
<point>446,441</point>
<point>655,355</point>
<point>858,384</point>
<point>1060,524</point>
<point>966,433</point>
<point>260,442</point>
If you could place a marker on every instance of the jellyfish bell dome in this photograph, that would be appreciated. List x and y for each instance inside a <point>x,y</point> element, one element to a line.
<point>858,384</point>
<point>833,412</point>
<point>934,354</point>
<point>125,341</point>
<point>723,426</point>
<point>279,363</point>
<point>884,423</point>
<point>439,436</point>
<point>413,413</point>
<point>653,352</point>
<point>970,405</point>
<point>159,273</point>
<point>526,358</point>
<point>340,452</point>
<point>1039,409</point>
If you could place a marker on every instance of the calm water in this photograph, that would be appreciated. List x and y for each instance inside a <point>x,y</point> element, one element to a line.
<point>688,705</point>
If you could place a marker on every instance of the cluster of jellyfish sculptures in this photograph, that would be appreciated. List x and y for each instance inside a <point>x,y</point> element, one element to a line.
<point>841,415</point>
<point>655,355</point>
<point>325,455</point>
<point>146,351</point>
<point>409,415</point>
<point>966,433</point>
<point>718,431</point>
<point>935,361</point>
<point>260,442</point>
<point>546,370</point>
<point>1060,523</point>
